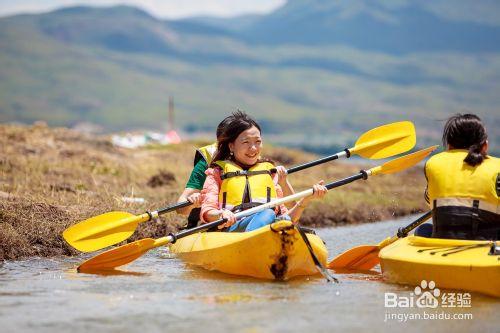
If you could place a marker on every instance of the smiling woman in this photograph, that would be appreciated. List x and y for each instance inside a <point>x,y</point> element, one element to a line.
<point>240,179</point>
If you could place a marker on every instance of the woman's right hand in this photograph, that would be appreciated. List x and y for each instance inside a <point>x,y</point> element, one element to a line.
<point>229,216</point>
<point>282,173</point>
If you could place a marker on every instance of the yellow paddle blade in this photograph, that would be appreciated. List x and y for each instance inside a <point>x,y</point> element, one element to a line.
<point>368,262</point>
<point>103,230</point>
<point>118,256</point>
<point>386,141</point>
<point>366,257</point>
<point>403,162</point>
<point>122,255</point>
<point>355,258</point>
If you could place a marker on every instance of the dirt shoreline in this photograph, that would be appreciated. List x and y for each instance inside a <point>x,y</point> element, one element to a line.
<point>51,178</point>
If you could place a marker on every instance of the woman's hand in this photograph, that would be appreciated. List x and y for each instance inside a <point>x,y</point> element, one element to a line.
<point>282,173</point>
<point>229,216</point>
<point>192,195</point>
<point>319,191</point>
<point>195,199</point>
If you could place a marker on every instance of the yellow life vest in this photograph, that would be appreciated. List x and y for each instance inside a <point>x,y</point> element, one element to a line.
<point>206,152</point>
<point>257,180</point>
<point>453,182</point>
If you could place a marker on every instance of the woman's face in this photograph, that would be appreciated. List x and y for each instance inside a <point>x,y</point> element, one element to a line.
<point>246,148</point>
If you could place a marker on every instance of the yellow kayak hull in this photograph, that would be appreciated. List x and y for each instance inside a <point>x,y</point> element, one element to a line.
<point>451,264</point>
<point>276,251</point>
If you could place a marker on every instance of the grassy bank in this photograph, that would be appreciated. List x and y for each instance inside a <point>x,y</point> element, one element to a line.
<point>51,178</point>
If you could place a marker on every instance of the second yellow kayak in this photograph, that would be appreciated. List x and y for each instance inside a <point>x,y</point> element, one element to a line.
<point>276,251</point>
<point>451,264</point>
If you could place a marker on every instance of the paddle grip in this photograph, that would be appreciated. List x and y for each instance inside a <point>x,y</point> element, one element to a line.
<point>403,232</point>
<point>338,183</point>
<point>174,207</point>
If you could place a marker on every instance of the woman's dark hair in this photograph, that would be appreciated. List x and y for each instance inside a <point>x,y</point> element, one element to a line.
<point>466,131</point>
<point>222,125</point>
<point>236,123</point>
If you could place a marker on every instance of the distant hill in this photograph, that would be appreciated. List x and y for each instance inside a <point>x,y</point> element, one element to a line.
<point>389,27</point>
<point>314,73</point>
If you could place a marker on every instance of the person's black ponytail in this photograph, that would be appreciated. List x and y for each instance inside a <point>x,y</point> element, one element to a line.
<point>475,157</point>
<point>466,132</point>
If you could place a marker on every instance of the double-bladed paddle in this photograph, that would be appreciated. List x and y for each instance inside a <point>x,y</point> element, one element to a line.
<point>125,254</point>
<point>365,257</point>
<point>111,228</point>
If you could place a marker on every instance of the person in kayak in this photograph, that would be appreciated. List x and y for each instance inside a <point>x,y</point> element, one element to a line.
<point>192,191</point>
<point>239,179</point>
<point>463,184</point>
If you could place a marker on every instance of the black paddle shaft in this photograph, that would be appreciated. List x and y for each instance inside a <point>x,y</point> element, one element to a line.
<point>403,232</point>
<point>174,207</point>
<point>329,186</point>
<point>314,163</point>
<point>361,175</point>
<point>291,170</point>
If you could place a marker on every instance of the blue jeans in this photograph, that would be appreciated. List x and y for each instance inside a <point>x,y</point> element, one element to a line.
<point>424,230</point>
<point>254,221</point>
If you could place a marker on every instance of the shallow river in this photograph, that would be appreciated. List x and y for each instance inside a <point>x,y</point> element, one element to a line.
<point>165,295</point>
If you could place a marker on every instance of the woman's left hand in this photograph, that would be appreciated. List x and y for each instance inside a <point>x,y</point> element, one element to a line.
<point>282,173</point>
<point>319,191</point>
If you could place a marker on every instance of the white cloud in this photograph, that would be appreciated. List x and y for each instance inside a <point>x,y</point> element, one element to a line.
<point>159,8</point>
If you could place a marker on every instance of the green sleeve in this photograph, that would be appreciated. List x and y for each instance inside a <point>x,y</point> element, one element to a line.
<point>197,178</point>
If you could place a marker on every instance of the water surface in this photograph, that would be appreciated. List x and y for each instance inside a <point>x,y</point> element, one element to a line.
<point>156,294</point>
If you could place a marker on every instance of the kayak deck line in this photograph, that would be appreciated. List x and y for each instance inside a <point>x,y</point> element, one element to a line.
<point>451,250</point>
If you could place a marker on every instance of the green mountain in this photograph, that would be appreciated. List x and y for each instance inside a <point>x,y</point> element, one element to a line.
<point>393,27</point>
<point>117,66</point>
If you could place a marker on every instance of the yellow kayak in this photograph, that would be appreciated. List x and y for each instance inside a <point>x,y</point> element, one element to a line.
<point>276,251</point>
<point>451,264</point>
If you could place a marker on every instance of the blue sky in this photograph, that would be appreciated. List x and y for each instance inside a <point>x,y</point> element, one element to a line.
<point>159,8</point>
